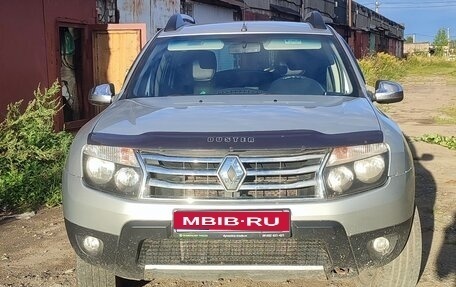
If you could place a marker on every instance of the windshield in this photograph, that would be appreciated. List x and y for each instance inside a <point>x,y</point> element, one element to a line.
<point>240,64</point>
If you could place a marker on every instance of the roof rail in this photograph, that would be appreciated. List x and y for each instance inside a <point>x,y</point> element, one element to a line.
<point>315,19</point>
<point>178,20</point>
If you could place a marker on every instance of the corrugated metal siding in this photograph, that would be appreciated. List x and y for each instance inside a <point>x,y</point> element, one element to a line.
<point>154,13</point>
<point>257,16</point>
<point>372,43</point>
<point>204,13</point>
<point>361,44</point>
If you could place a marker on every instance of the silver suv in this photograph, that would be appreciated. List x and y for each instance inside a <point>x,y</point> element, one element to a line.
<point>243,149</point>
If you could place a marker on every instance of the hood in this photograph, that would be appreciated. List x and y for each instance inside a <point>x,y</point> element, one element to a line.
<point>183,122</point>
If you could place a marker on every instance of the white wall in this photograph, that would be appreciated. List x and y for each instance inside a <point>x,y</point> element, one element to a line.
<point>204,13</point>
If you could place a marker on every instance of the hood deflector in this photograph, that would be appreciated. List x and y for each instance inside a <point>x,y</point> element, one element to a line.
<point>296,139</point>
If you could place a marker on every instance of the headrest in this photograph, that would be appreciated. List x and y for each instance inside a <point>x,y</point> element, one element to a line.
<point>302,59</point>
<point>295,60</point>
<point>204,65</point>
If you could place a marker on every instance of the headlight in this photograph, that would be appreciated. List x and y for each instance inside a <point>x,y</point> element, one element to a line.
<point>370,170</point>
<point>99,171</point>
<point>340,179</point>
<point>355,169</point>
<point>112,169</point>
<point>126,179</point>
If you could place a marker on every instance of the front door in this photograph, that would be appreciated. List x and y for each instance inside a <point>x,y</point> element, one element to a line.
<point>115,47</point>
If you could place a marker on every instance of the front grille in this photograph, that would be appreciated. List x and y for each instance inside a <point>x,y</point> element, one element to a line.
<point>289,252</point>
<point>279,175</point>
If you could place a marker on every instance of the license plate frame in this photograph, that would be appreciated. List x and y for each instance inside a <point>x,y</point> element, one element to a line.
<point>234,224</point>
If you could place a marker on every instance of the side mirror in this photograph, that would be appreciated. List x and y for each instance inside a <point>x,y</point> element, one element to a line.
<point>101,95</point>
<point>387,92</point>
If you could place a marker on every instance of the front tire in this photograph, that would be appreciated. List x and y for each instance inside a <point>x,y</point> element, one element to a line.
<point>402,271</point>
<point>89,275</point>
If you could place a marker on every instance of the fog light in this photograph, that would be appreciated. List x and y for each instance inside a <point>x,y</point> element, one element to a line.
<point>92,245</point>
<point>381,245</point>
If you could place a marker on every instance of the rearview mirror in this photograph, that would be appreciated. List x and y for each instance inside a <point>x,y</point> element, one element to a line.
<point>387,92</point>
<point>245,48</point>
<point>101,95</point>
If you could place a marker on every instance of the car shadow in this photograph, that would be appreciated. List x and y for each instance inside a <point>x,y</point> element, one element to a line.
<point>425,196</point>
<point>121,282</point>
<point>5,219</point>
<point>446,263</point>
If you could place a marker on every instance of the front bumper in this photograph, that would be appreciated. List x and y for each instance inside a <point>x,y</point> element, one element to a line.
<point>339,231</point>
<point>147,250</point>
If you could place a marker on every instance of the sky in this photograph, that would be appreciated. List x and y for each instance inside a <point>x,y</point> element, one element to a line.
<point>423,18</point>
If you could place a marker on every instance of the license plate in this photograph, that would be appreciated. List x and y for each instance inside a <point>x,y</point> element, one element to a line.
<point>232,223</point>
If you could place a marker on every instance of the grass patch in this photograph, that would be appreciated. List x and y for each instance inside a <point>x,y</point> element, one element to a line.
<point>430,66</point>
<point>445,141</point>
<point>383,66</point>
<point>448,116</point>
<point>32,155</point>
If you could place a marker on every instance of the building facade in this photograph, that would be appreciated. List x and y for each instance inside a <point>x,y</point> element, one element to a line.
<point>366,31</point>
<point>82,43</point>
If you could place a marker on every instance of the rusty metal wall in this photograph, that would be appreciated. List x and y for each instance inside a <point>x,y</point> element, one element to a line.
<point>387,35</point>
<point>257,15</point>
<point>29,49</point>
<point>155,13</point>
<point>22,51</point>
<point>361,43</point>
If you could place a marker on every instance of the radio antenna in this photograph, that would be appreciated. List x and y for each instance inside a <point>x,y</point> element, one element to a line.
<point>244,26</point>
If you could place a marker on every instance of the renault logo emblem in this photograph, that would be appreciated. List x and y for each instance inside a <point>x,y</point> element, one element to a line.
<point>231,173</point>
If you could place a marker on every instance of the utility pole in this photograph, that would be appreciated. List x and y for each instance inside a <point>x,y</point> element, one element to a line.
<point>377,5</point>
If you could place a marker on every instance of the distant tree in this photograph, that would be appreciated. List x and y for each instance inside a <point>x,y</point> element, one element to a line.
<point>409,39</point>
<point>440,41</point>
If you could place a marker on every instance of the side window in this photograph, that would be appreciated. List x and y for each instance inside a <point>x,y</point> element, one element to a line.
<point>333,79</point>
<point>337,75</point>
<point>146,82</point>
